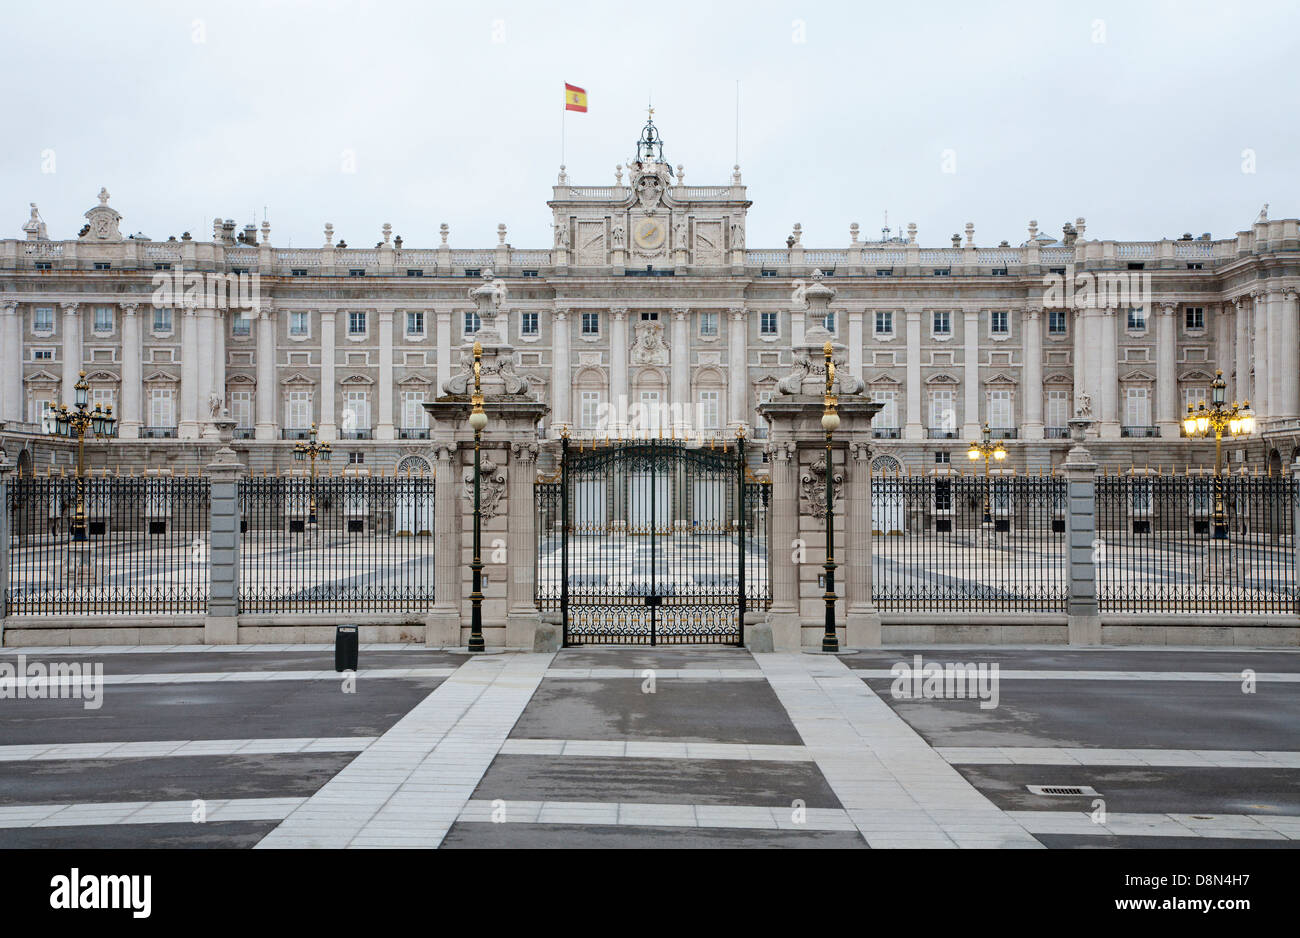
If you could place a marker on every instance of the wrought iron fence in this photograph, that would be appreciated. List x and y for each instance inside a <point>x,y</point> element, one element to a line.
<point>1156,549</point>
<point>145,549</point>
<point>968,543</point>
<point>337,544</point>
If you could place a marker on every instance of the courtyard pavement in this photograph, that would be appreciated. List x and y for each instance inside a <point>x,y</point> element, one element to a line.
<point>268,747</point>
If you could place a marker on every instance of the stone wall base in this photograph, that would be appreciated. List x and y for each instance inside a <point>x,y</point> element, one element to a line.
<point>521,630</point>
<point>221,630</point>
<point>785,631</point>
<point>442,630</point>
<point>863,630</point>
<point>1084,630</point>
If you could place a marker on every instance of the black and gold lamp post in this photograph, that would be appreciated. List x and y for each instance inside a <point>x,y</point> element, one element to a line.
<point>1237,420</point>
<point>830,423</point>
<point>311,450</point>
<point>77,421</point>
<point>477,421</point>
<point>987,447</point>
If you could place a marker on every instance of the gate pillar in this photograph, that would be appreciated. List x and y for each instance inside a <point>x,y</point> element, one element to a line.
<point>442,624</point>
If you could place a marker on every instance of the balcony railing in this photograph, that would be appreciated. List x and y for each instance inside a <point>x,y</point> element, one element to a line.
<point>936,434</point>
<point>243,433</point>
<point>366,434</point>
<point>1056,433</point>
<point>1139,431</point>
<point>288,433</point>
<point>886,433</point>
<point>1003,433</point>
<point>412,433</point>
<point>157,433</point>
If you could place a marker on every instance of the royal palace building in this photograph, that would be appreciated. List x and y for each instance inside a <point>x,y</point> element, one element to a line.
<point>647,314</point>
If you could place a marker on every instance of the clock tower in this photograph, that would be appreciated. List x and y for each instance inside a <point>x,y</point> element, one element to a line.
<point>653,222</point>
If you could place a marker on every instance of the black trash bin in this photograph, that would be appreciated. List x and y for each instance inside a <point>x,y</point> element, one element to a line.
<point>345,648</point>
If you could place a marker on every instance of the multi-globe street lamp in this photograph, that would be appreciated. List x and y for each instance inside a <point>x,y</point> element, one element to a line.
<point>830,423</point>
<point>477,421</point>
<point>311,450</point>
<point>987,447</point>
<point>1237,420</point>
<point>77,421</point>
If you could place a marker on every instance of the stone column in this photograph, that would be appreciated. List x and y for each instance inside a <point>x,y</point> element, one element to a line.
<point>972,425</point>
<point>221,626</point>
<point>442,625</point>
<point>71,352</point>
<point>384,430</point>
<point>561,379</point>
<point>11,347</point>
<point>1259,355</point>
<point>128,427</point>
<point>1284,360</point>
<point>220,325</point>
<point>1032,334</point>
<point>327,430</point>
<point>914,428</point>
<point>1166,415</point>
<point>737,370</point>
<point>855,344</point>
<point>1083,618</point>
<point>522,616</point>
<point>863,620</point>
<point>443,338</point>
<point>1108,352</point>
<point>1079,324</point>
<point>798,320</point>
<point>191,375</point>
<point>620,406</point>
<point>6,474</point>
<point>784,519</point>
<point>1241,313</point>
<point>1222,317</point>
<point>203,365</point>
<point>265,429</point>
<point>681,374</point>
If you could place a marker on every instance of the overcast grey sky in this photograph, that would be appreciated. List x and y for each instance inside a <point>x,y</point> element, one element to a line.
<point>1134,114</point>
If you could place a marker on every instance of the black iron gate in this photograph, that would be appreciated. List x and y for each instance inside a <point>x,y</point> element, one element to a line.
<point>652,542</point>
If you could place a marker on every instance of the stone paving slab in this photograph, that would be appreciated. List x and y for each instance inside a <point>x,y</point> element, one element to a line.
<point>714,835</point>
<point>1050,755</point>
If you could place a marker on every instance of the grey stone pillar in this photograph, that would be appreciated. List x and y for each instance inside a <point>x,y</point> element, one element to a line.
<point>863,620</point>
<point>522,615</point>
<point>442,624</point>
<point>6,472</point>
<point>1295,529</point>
<point>1084,621</point>
<point>784,521</point>
<point>221,627</point>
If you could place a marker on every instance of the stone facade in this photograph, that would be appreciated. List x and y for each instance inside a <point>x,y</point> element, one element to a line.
<point>648,301</point>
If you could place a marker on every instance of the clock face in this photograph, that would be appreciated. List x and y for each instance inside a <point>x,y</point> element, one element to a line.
<point>649,234</point>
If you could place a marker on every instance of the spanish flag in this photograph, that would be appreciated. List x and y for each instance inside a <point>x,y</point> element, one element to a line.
<point>575,98</point>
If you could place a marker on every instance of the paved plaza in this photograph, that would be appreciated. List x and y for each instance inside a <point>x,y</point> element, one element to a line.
<point>268,747</point>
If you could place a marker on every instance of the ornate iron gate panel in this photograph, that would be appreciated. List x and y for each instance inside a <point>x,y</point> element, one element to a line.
<point>651,542</point>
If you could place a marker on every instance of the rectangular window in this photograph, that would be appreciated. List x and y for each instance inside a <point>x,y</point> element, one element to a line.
<point>162,407</point>
<point>472,271</point>
<point>829,321</point>
<point>1058,408</point>
<point>1137,319</point>
<point>942,322</point>
<point>1000,409</point>
<point>241,409</point>
<point>414,416</point>
<point>414,272</point>
<point>942,458</point>
<point>297,410</point>
<point>887,417</point>
<point>998,322</point>
<point>103,319</point>
<point>162,320</point>
<point>43,319</point>
<point>299,323</point>
<point>767,324</point>
<point>43,413</point>
<point>1137,407</point>
<point>884,322</point>
<point>1056,322</point>
<point>942,415</point>
<point>591,323</point>
<point>46,265</point>
<point>529,273</point>
<point>356,272</point>
<point>590,409</point>
<point>298,271</point>
<point>102,265</point>
<point>1194,316</point>
<point>415,323</point>
<point>240,324</point>
<point>767,273</point>
<point>356,322</point>
<point>708,324</point>
<point>472,323</point>
<point>101,397</point>
<point>356,410</point>
<point>709,405</point>
<point>1195,397</point>
<point>42,354</point>
<point>760,424</point>
<point>528,324</point>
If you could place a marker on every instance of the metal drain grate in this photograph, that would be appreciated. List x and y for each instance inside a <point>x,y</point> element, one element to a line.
<point>1059,790</point>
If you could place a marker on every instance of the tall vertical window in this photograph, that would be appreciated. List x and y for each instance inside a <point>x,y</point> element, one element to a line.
<point>299,323</point>
<point>884,322</point>
<point>649,417</point>
<point>162,319</point>
<point>1137,407</point>
<point>528,324</point>
<point>356,410</point>
<point>710,402</point>
<point>829,321</point>
<point>241,409</point>
<point>162,407</point>
<point>1056,322</point>
<point>590,409</point>
<point>1194,397</point>
<point>1137,318</point>
<point>708,323</point>
<point>767,324</point>
<point>942,322</point>
<point>43,413</point>
<point>101,397</point>
<point>356,322</point>
<point>591,323</point>
<point>760,423</point>
<point>998,322</point>
<point>887,417</point>
<point>414,416</point>
<point>297,410</point>
<point>103,319</point>
<point>473,323</point>
<point>415,322</point>
<point>1194,317</point>
<point>942,415</point>
<point>1058,408</point>
<point>240,323</point>
<point>1000,409</point>
<point>43,319</point>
